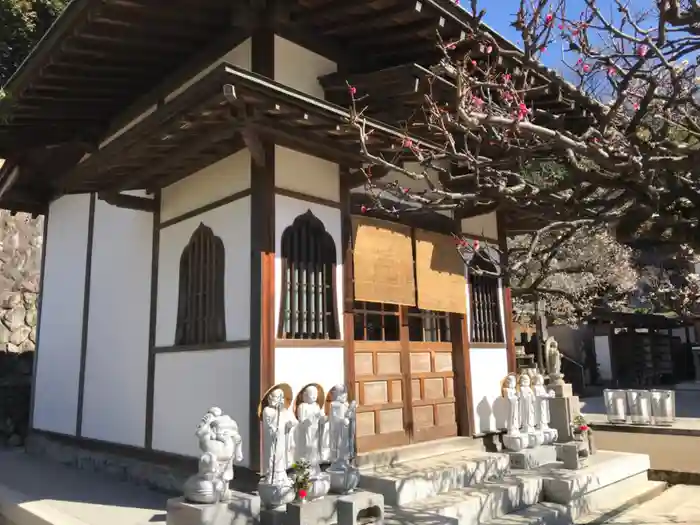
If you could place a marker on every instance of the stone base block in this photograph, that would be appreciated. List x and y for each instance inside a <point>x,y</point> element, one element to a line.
<point>571,454</point>
<point>562,390</point>
<point>341,510</point>
<point>242,509</point>
<point>360,506</point>
<point>533,457</point>
<point>515,443</point>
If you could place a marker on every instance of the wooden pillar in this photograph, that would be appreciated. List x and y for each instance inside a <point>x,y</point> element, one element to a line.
<point>262,267</point>
<point>507,299</point>
<point>348,283</point>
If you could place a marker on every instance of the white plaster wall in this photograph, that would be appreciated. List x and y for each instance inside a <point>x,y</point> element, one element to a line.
<point>286,210</point>
<point>62,296</point>
<point>300,366</point>
<point>217,181</point>
<point>601,344</point>
<point>187,384</point>
<point>488,368</point>
<point>482,225</point>
<point>299,68</point>
<point>114,396</point>
<point>231,223</point>
<point>306,174</point>
<point>238,56</point>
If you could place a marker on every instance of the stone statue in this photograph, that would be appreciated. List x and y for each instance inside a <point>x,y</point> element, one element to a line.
<point>542,415</point>
<point>513,439</point>
<point>341,425</point>
<point>221,447</point>
<point>527,405</point>
<point>312,420</point>
<point>511,394</point>
<point>553,358</point>
<point>344,476</point>
<point>278,423</point>
<point>542,405</point>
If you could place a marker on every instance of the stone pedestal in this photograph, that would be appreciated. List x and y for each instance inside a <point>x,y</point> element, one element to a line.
<point>562,411</point>
<point>241,509</point>
<point>330,510</point>
<point>516,443</point>
<point>533,457</point>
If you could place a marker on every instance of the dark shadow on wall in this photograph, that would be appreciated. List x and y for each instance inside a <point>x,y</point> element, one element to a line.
<point>15,394</point>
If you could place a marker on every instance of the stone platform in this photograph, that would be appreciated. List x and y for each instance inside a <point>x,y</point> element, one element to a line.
<point>479,488</point>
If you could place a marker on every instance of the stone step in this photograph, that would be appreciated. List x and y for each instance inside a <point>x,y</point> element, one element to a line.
<point>479,504</point>
<point>538,514</point>
<point>603,469</point>
<point>599,505</point>
<point>427,449</point>
<point>414,480</point>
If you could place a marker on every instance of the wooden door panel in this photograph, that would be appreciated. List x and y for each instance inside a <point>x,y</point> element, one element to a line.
<point>380,396</point>
<point>432,380</point>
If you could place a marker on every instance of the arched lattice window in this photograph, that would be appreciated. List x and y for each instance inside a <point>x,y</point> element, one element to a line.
<point>308,306</point>
<point>200,310</point>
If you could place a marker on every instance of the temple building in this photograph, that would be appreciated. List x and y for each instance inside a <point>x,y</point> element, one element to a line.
<point>205,236</point>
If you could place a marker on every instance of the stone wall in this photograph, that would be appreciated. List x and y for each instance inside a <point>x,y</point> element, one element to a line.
<point>21,240</point>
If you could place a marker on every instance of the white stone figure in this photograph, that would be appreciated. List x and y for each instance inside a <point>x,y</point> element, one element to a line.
<point>527,402</point>
<point>553,360</point>
<point>221,446</point>
<point>278,423</point>
<point>513,440</point>
<point>312,420</point>
<point>510,392</point>
<point>542,414</point>
<point>342,420</point>
<point>340,425</point>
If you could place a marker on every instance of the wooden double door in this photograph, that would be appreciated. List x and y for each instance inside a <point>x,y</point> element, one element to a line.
<point>405,388</point>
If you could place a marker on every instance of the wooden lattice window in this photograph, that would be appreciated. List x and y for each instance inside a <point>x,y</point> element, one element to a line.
<point>308,309</point>
<point>376,321</point>
<point>428,326</point>
<point>485,309</point>
<point>200,314</point>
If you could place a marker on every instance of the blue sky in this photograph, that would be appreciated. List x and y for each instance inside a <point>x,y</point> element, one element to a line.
<point>501,13</point>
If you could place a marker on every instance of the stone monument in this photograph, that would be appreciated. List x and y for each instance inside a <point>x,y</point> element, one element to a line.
<point>278,423</point>
<point>564,406</point>
<point>345,504</point>
<point>208,500</point>
<point>527,424</point>
<point>312,420</point>
<point>342,423</point>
